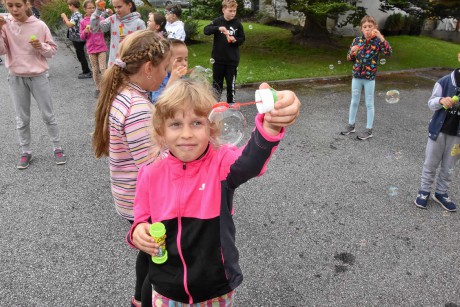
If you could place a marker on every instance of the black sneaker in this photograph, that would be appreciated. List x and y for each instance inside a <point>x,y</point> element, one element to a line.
<point>444,201</point>
<point>365,134</point>
<point>348,129</point>
<point>85,75</point>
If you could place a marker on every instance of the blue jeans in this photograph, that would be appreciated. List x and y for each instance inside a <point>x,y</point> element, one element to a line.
<point>356,88</point>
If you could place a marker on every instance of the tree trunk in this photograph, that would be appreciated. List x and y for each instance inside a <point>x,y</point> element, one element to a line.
<point>315,28</point>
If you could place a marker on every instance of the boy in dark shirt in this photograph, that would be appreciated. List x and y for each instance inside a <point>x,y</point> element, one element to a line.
<point>228,37</point>
<point>443,142</point>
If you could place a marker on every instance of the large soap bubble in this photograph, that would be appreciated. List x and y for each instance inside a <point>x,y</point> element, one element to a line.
<point>231,122</point>
<point>392,96</point>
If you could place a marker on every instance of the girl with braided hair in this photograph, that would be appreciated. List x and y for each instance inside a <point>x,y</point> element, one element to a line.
<point>122,127</point>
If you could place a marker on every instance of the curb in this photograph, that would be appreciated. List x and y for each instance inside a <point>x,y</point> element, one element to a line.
<point>338,78</point>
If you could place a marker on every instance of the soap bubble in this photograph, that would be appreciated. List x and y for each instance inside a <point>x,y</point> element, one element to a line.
<point>383,61</point>
<point>231,122</point>
<point>339,62</point>
<point>393,191</point>
<point>331,67</point>
<point>250,27</point>
<point>392,96</point>
<point>212,61</point>
<point>194,54</point>
<point>200,73</point>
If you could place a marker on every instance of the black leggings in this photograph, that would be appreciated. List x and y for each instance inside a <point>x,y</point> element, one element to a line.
<point>81,56</point>
<point>143,289</point>
<point>227,72</point>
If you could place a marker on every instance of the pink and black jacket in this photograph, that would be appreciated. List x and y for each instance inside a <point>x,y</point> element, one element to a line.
<point>195,202</point>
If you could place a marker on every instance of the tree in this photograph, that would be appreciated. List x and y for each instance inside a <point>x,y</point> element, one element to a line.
<point>316,13</point>
<point>424,8</point>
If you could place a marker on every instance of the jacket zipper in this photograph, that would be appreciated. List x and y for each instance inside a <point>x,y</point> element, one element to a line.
<point>179,235</point>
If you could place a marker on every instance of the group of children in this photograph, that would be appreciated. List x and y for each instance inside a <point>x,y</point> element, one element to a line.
<point>199,176</point>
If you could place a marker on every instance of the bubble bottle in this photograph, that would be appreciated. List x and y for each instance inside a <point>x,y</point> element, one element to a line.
<point>158,233</point>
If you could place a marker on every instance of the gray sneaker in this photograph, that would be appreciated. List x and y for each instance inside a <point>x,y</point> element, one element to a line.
<point>365,134</point>
<point>348,129</point>
<point>59,156</point>
<point>24,160</point>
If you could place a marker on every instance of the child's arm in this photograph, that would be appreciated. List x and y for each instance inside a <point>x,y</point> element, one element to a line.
<point>434,103</point>
<point>84,30</point>
<point>211,28</point>
<point>139,236</point>
<point>264,139</point>
<point>99,24</point>
<point>384,46</point>
<point>44,43</point>
<point>3,40</point>
<point>352,51</point>
<point>66,20</point>
<point>240,37</point>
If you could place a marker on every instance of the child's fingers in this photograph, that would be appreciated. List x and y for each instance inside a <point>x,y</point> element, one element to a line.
<point>287,109</point>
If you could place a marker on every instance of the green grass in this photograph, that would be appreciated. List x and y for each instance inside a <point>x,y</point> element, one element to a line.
<point>269,54</point>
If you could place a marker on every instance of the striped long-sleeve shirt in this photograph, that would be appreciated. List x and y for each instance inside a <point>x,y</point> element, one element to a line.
<point>130,145</point>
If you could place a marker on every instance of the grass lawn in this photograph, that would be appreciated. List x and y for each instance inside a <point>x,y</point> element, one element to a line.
<point>269,54</point>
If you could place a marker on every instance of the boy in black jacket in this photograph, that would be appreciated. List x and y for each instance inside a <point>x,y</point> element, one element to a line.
<point>228,37</point>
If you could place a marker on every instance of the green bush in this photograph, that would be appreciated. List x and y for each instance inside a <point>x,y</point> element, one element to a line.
<point>210,9</point>
<point>51,13</point>
<point>412,25</point>
<point>394,24</point>
<point>144,10</point>
<point>191,27</point>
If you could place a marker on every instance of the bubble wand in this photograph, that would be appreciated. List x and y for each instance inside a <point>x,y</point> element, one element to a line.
<point>120,28</point>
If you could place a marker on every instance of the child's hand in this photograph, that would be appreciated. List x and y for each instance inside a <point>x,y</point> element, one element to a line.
<point>109,11</point>
<point>285,113</point>
<point>447,102</point>
<point>2,21</point>
<point>354,49</point>
<point>143,240</point>
<point>63,16</point>
<point>36,44</point>
<point>231,39</point>
<point>379,35</point>
<point>178,72</point>
<point>223,30</point>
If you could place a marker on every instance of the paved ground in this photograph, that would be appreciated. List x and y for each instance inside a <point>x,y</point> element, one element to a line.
<point>332,223</point>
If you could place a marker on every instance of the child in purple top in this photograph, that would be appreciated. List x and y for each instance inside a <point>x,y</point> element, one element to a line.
<point>95,45</point>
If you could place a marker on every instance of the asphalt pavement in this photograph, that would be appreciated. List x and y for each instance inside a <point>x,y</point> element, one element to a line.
<point>331,223</point>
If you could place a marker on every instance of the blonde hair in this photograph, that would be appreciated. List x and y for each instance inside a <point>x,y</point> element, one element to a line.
<point>136,49</point>
<point>367,18</point>
<point>184,95</point>
<point>229,3</point>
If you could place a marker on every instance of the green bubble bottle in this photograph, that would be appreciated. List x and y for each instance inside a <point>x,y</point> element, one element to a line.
<point>158,233</point>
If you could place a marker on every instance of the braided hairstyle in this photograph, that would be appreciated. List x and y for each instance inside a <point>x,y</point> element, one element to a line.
<point>136,49</point>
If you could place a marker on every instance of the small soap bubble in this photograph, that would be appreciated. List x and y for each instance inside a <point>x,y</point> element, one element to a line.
<point>331,67</point>
<point>194,54</point>
<point>383,61</point>
<point>392,96</point>
<point>250,27</point>
<point>339,62</point>
<point>212,61</point>
<point>231,122</point>
<point>393,191</point>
